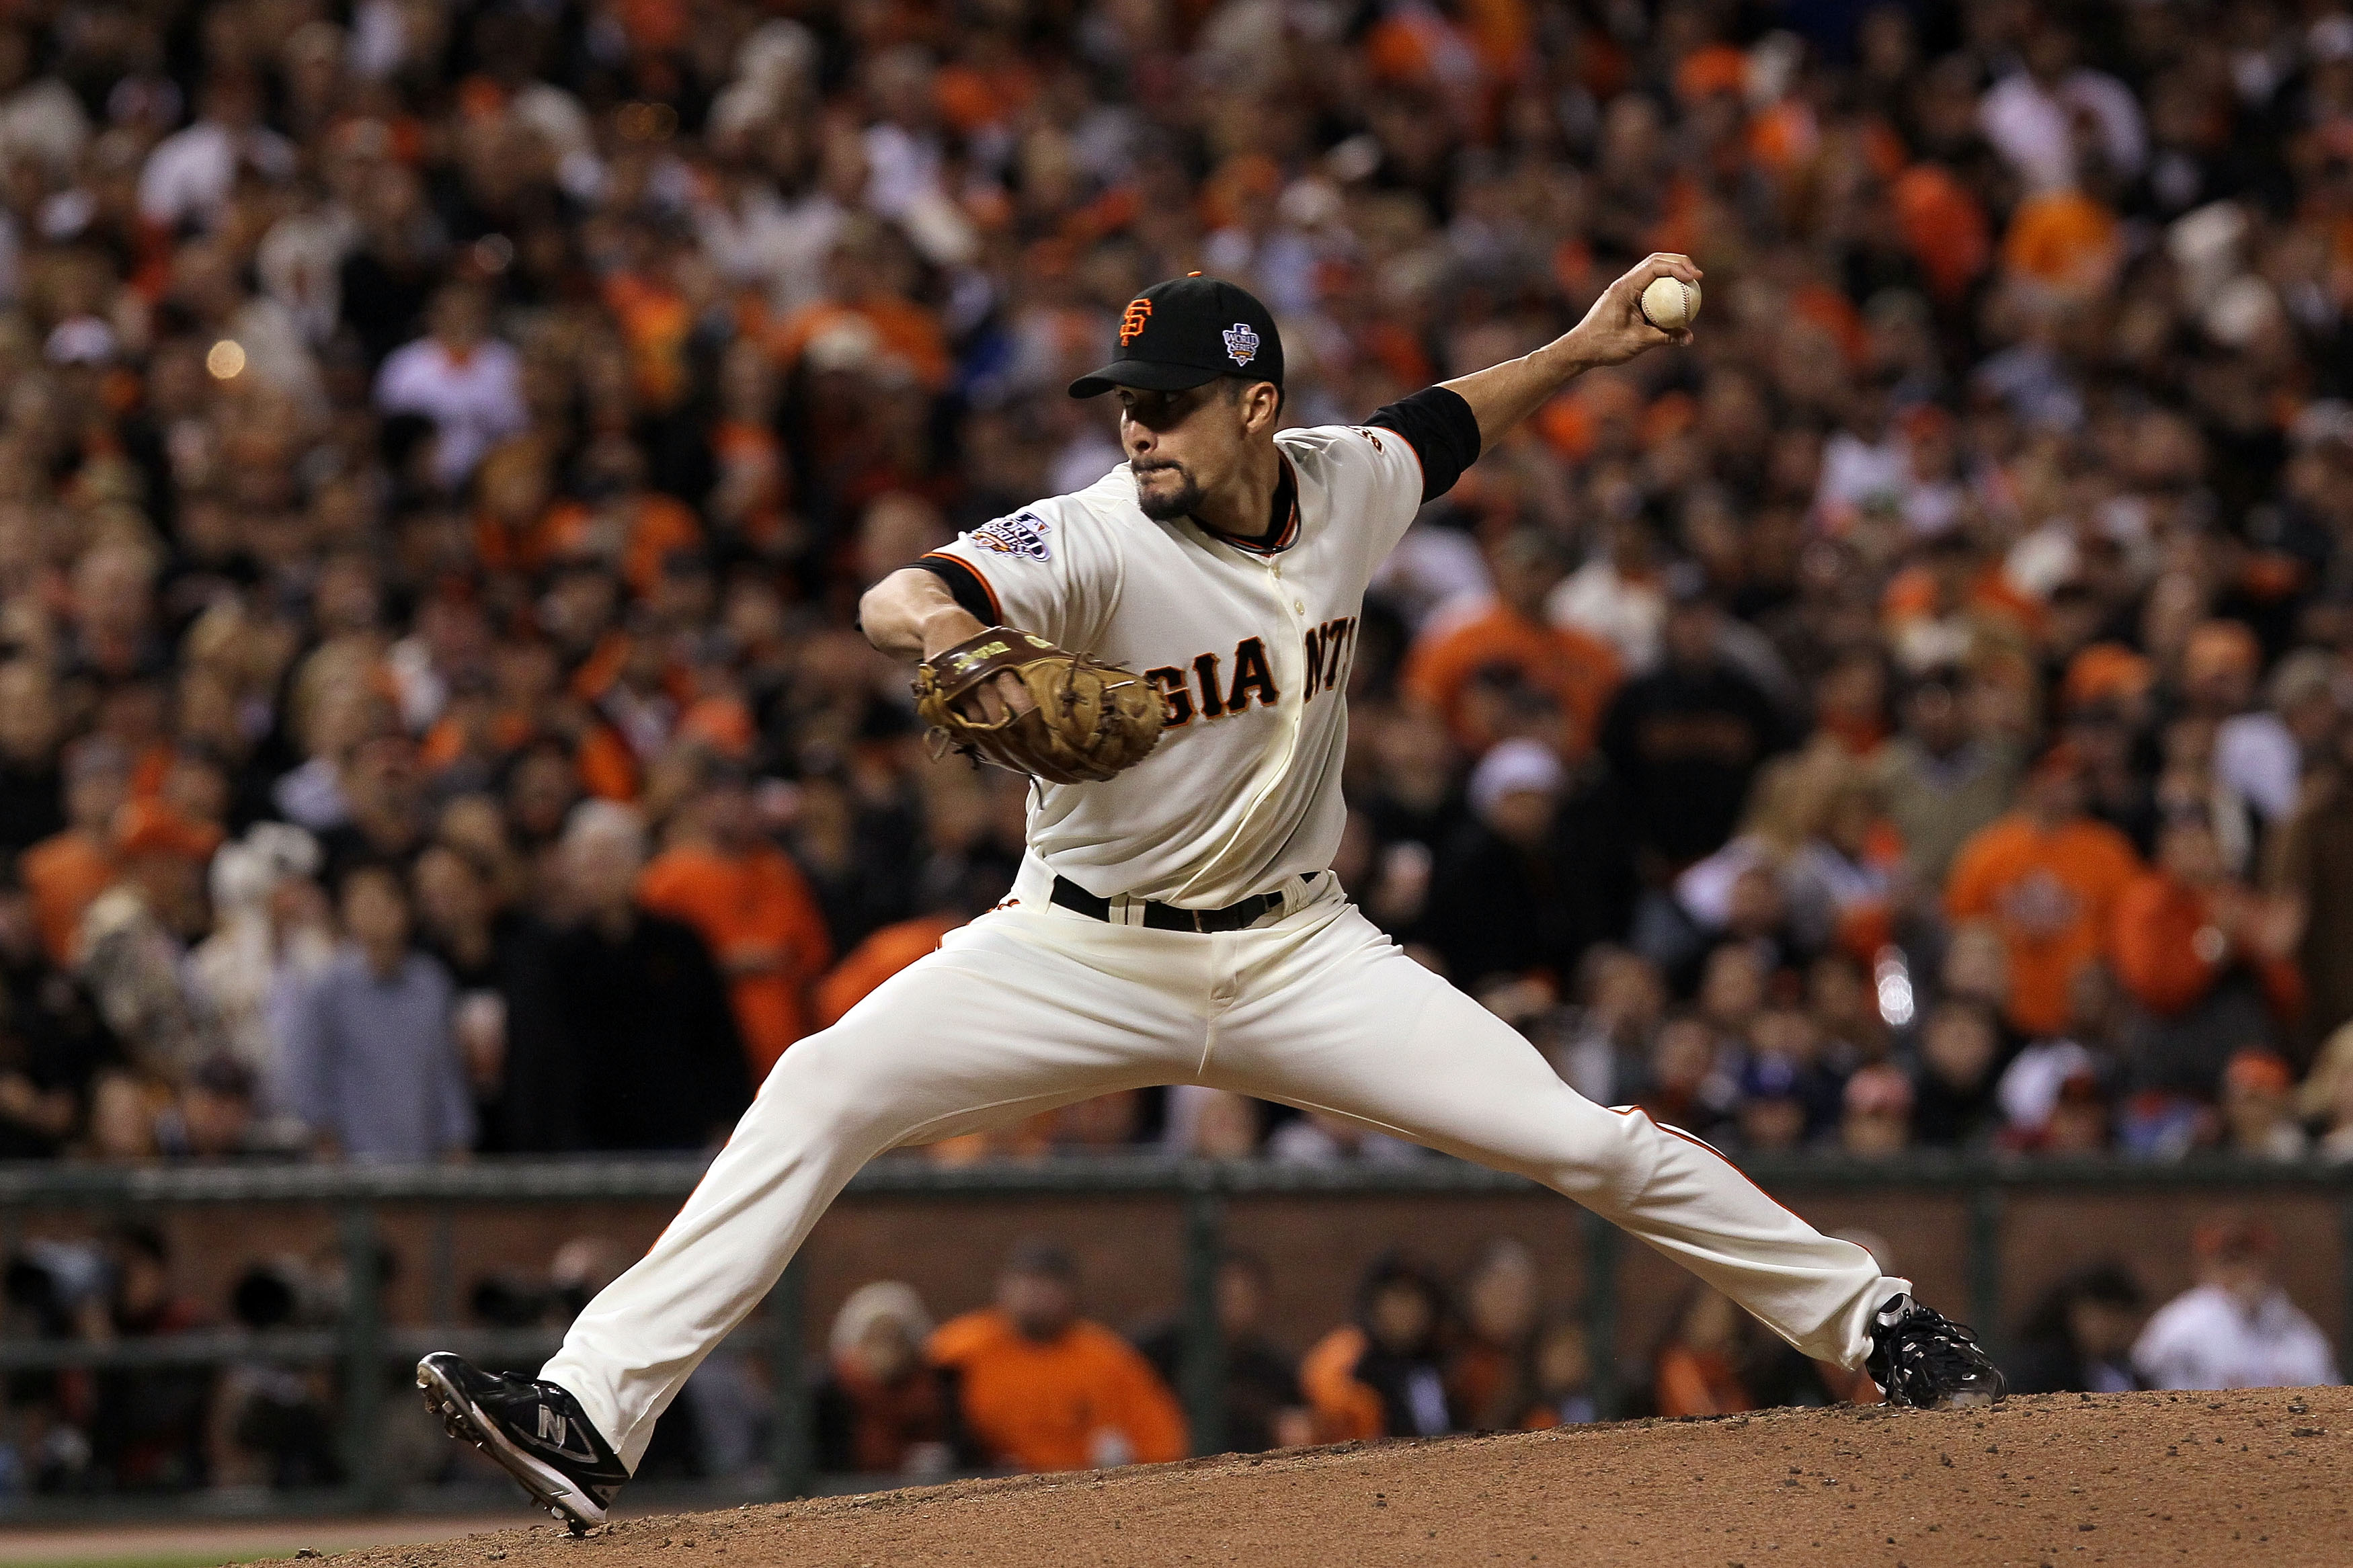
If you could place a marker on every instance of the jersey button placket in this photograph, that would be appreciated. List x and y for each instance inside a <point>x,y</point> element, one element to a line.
<point>1296,707</point>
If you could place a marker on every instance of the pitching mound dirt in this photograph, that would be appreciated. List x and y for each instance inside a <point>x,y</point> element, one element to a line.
<point>2261,1477</point>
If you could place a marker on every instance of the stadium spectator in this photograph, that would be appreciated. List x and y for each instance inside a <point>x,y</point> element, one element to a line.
<point>372,1066</point>
<point>2079,1337</point>
<point>881,1410</point>
<point>466,382</point>
<point>1104,1124</point>
<point>213,1117</point>
<point>2208,961</point>
<point>496,958</point>
<point>189,177</point>
<point>1488,1365</point>
<point>1603,1041</point>
<point>880,956</point>
<point>1042,1388</point>
<point>2236,1327</point>
<point>32,794</point>
<point>1263,1408</point>
<point>147,1428</point>
<point>751,906</point>
<point>2254,753</point>
<point>132,945</point>
<point>1686,738</point>
<point>2080,1120</point>
<point>1976,969</point>
<point>68,870</point>
<point>2325,1100</point>
<point>1498,908</point>
<point>1941,781</point>
<point>1877,1120</point>
<point>2258,1116</point>
<point>1772,1112</point>
<point>1559,1391</point>
<point>641,1050</point>
<point>1455,666</point>
<point>1689,1084</point>
<point>2047,877</point>
<point>1322,1138</point>
<point>1953,1088</point>
<point>2311,862</point>
<point>1698,1369</point>
<point>1382,1375</point>
<point>272,1422</point>
<point>272,923</point>
<point>1212,1123</point>
<point>1839,861</point>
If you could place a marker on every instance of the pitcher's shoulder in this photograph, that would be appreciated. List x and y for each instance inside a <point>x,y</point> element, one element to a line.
<point>1342,441</point>
<point>1045,529</point>
<point>1330,451</point>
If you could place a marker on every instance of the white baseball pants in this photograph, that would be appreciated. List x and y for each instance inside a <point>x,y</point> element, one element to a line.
<point>1032,1006</point>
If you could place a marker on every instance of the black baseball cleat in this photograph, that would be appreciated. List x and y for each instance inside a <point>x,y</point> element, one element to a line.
<point>1925,1359</point>
<point>534,1430</point>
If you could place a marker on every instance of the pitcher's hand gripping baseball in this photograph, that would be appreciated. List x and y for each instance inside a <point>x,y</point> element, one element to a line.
<point>1085,720</point>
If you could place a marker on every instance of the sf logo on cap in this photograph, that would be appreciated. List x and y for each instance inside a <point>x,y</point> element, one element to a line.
<point>1139,311</point>
<point>1241,344</point>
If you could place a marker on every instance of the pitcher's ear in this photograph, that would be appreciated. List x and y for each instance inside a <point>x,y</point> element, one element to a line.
<point>1261,404</point>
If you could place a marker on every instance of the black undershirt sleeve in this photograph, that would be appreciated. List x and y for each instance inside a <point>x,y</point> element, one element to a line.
<point>1442,431</point>
<point>970,593</point>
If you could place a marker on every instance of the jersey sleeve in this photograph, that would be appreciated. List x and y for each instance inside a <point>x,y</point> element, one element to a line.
<point>1370,480</point>
<point>1047,569</point>
<point>1441,430</point>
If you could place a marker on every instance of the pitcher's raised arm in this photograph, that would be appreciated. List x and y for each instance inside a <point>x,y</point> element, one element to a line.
<point>1613,331</point>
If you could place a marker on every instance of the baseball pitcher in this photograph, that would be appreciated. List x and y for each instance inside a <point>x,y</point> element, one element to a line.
<point>1166,652</point>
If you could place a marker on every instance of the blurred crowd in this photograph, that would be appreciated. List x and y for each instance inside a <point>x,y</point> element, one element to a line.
<point>441,445</point>
<point>1028,1381</point>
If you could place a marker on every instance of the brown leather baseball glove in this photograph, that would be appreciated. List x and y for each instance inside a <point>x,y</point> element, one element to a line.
<point>1090,718</point>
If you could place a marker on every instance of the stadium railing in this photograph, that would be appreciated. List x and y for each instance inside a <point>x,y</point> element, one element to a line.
<point>366,1347</point>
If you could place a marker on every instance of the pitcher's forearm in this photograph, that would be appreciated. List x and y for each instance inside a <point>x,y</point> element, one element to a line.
<point>1502,394</point>
<point>1613,331</point>
<point>912,615</point>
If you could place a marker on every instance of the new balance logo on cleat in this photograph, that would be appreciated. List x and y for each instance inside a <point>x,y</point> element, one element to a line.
<point>534,1430</point>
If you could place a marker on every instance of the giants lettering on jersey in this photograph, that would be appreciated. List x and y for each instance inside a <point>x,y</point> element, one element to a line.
<point>1253,682</point>
<point>1201,689</point>
<point>1331,649</point>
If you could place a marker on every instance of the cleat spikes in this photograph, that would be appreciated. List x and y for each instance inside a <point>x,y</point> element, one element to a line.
<point>535,1431</point>
<point>1925,1361</point>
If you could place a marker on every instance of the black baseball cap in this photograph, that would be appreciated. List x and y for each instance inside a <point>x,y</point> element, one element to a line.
<point>1186,332</point>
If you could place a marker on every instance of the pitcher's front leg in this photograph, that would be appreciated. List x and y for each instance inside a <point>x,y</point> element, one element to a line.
<point>986,1029</point>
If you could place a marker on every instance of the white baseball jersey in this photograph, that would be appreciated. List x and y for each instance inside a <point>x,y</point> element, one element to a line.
<point>1250,645</point>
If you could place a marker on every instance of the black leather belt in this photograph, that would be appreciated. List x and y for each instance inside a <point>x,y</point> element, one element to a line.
<point>1169,917</point>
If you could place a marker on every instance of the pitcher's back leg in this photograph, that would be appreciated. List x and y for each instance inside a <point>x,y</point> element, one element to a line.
<point>1351,1025</point>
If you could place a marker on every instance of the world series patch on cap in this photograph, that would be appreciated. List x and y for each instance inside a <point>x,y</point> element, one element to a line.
<point>1186,332</point>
